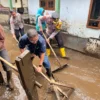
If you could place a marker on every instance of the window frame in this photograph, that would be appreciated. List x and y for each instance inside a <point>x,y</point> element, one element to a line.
<point>47,6</point>
<point>89,15</point>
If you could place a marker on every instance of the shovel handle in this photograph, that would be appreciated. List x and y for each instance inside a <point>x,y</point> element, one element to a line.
<point>52,82</point>
<point>52,49</point>
<point>9,64</point>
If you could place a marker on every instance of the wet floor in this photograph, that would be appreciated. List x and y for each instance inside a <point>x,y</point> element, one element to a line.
<point>83,74</point>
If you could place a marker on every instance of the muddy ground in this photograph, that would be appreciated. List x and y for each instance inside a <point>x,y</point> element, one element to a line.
<point>83,74</point>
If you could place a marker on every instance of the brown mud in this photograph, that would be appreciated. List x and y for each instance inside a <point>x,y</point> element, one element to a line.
<point>83,74</point>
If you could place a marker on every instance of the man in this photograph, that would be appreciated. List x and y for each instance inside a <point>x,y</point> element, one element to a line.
<point>54,25</point>
<point>35,43</point>
<point>17,25</point>
<point>53,30</point>
<point>4,55</point>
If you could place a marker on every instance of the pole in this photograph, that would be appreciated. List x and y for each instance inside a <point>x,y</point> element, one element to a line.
<point>21,3</point>
<point>57,6</point>
<point>10,4</point>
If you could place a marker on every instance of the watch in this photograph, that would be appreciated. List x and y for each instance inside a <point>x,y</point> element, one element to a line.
<point>40,65</point>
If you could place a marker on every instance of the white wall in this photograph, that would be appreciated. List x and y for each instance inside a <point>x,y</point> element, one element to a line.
<point>33,6</point>
<point>75,12</point>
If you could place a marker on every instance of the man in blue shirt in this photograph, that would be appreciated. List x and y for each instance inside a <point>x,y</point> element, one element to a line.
<point>36,44</point>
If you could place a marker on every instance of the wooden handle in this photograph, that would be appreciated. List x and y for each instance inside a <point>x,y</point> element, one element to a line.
<point>56,92</point>
<point>38,84</point>
<point>52,49</point>
<point>16,40</point>
<point>52,82</point>
<point>62,92</point>
<point>9,64</point>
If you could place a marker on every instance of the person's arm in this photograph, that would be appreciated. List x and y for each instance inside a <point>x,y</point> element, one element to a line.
<point>53,34</point>
<point>40,18</point>
<point>22,44</point>
<point>42,55</point>
<point>40,23</point>
<point>41,58</point>
<point>2,37</point>
<point>22,50</point>
<point>39,68</point>
<point>12,27</point>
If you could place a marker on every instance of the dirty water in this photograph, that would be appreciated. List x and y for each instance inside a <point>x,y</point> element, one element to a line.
<point>17,94</point>
<point>83,74</point>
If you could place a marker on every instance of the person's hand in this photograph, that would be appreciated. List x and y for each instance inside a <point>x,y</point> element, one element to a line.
<point>14,36</point>
<point>41,30</point>
<point>39,69</point>
<point>33,55</point>
<point>47,13</point>
<point>48,40</point>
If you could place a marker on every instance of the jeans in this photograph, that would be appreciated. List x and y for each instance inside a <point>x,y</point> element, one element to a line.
<point>46,62</point>
<point>19,33</point>
<point>4,55</point>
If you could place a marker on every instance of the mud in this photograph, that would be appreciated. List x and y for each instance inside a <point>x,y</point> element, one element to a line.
<point>83,74</point>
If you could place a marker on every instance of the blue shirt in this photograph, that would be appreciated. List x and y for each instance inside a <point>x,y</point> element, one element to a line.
<point>38,48</point>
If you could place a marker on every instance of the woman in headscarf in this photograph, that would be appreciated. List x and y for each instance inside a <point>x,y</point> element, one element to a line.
<point>40,21</point>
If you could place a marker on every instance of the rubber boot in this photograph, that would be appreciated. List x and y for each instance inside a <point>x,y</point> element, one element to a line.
<point>63,53</point>
<point>49,73</point>
<point>10,84</point>
<point>2,82</point>
<point>48,52</point>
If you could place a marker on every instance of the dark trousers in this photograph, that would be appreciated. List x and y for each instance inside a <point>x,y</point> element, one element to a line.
<point>59,40</point>
<point>18,33</point>
<point>4,55</point>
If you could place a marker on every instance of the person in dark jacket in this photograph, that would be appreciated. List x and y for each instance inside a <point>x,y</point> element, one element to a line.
<point>36,44</point>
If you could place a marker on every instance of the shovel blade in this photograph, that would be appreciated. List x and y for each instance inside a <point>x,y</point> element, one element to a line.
<point>60,68</point>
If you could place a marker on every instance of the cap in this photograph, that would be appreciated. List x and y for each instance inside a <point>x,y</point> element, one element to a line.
<point>55,15</point>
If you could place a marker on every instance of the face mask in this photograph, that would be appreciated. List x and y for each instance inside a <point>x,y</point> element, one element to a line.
<point>34,42</point>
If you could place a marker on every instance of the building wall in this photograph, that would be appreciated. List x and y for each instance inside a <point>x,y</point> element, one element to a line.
<point>75,13</point>
<point>33,6</point>
<point>5,3</point>
<point>72,12</point>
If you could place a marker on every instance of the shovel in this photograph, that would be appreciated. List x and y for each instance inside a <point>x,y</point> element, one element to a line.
<point>60,66</point>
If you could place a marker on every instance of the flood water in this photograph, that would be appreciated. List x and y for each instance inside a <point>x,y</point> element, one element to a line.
<point>83,74</point>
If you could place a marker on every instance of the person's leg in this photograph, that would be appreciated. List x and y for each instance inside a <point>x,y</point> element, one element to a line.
<point>46,64</point>
<point>22,31</point>
<point>61,45</point>
<point>6,68</point>
<point>48,51</point>
<point>17,34</point>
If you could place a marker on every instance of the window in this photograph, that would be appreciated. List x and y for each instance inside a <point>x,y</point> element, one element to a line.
<point>94,15</point>
<point>47,4</point>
